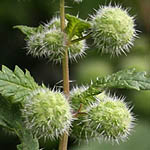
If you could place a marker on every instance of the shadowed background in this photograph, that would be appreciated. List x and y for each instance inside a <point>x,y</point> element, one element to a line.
<point>13,52</point>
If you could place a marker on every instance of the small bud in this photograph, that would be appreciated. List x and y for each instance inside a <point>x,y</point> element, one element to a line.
<point>47,113</point>
<point>113,30</point>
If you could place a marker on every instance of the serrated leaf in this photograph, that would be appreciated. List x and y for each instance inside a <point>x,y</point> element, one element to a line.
<point>76,26</point>
<point>28,31</point>
<point>16,85</point>
<point>127,79</point>
<point>124,79</point>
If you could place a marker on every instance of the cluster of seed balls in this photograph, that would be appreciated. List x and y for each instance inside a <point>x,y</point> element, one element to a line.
<point>112,30</point>
<point>106,117</point>
<point>50,44</point>
<point>48,113</point>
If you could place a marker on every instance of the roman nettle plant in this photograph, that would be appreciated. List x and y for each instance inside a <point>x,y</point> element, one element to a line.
<point>33,111</point>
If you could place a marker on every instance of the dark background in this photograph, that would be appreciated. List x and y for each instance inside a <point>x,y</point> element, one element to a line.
<point>35,12</point>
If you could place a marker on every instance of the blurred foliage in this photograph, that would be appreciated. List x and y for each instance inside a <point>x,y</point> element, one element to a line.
<point>34,12</point>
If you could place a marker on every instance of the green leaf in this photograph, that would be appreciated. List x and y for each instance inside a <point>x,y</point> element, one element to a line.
<point>28,31</point>
<point>28,142</point>
<point>127,79</point>
<point>11,119</point>
<point>9,114</point>
<point>76,26</point>
<point>124,79</point>
<point>16,85</point>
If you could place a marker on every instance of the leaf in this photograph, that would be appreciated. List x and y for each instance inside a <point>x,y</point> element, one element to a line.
<point>9,114</point>
<point>124,79</point>
<point>127,79</point>
<point>28,31</point>
<point>76,26</point>
<point>28,142</point>
<point>11,119</point>
<point>16,85</point>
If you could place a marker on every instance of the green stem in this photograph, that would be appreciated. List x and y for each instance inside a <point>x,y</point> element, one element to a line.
<point>65,65</point>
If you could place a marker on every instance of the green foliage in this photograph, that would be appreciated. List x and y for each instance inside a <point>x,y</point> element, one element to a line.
<point>28,142</point>
<point>76,26</point>
<point>124,79</point>
<point>11,119</point>
<point>28,31</point>
<point>127,79</point>
<point>16,85</point>
<point>9,114</point>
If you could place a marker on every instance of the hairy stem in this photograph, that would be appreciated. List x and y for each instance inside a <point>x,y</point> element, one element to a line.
<point>64,139</point>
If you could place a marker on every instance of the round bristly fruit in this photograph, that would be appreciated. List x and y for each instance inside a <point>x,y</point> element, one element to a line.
<point>111,118</point>
<point>50,44</point>
<point>107,118</point>
<point>75,50</point>
<point>47,113</point>
<point>113,30</point>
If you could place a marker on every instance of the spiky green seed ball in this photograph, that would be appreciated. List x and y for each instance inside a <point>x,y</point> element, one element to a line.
<point>50,43</point>
<point>47,113</point>
<point>113,30</point>
<point>76,98</point>
<point>111,118</point>
<point>47,44</point>
<point>107,118</point>
<point>75,50</point>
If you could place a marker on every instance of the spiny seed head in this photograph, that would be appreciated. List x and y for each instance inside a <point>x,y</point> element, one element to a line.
<point>50,43</point>
<point>111,118</point>
<point>54,23</point>
<point>81,130</point>
<point>47,113</point>
<point>75,50</point>
<point>113,30</point>
<point>107,118</point>
<point>76,97</point>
